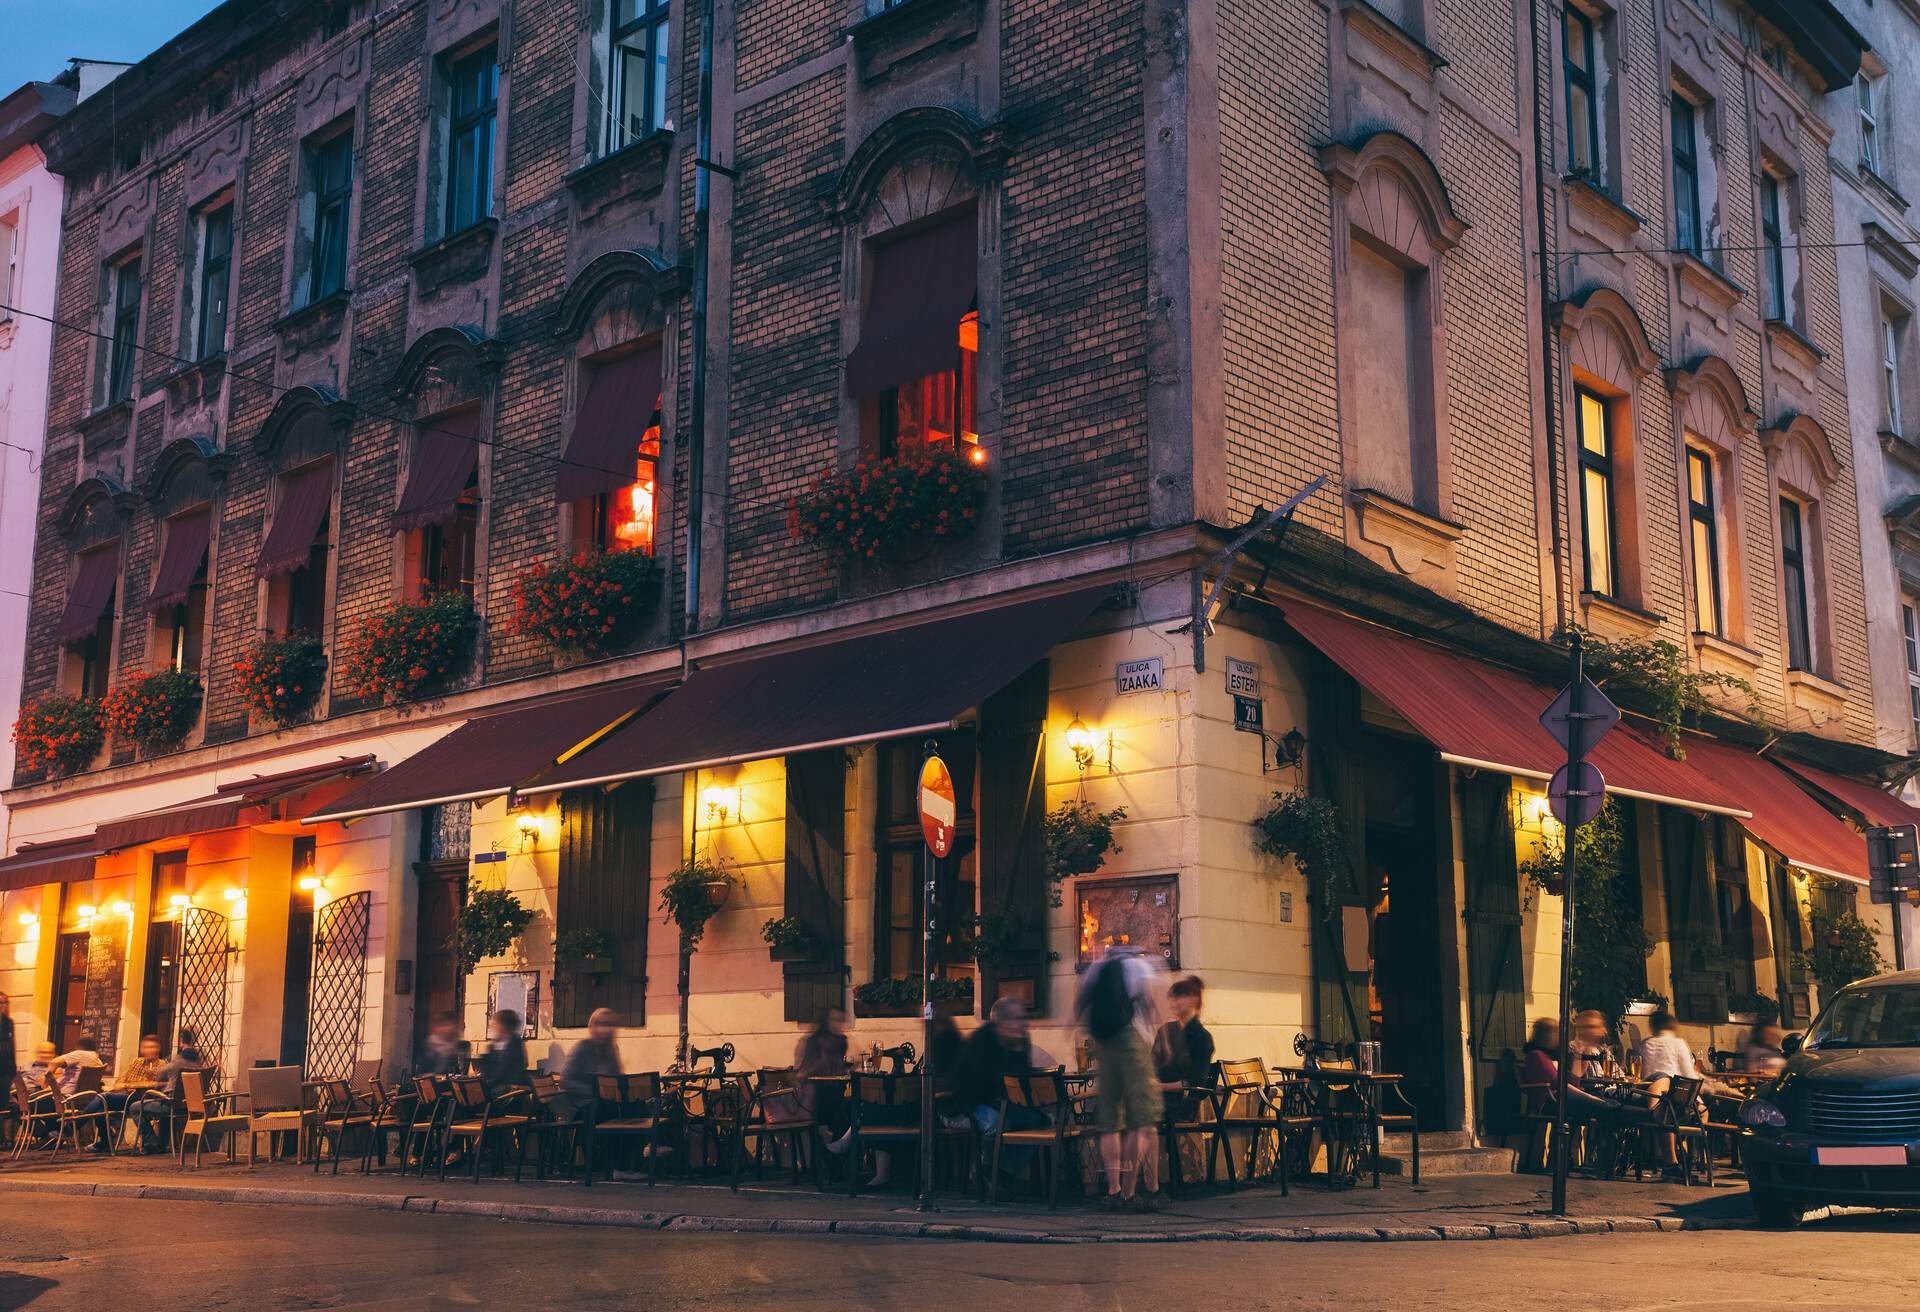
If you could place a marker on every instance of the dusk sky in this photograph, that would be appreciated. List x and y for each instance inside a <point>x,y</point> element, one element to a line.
<point>40,37</point>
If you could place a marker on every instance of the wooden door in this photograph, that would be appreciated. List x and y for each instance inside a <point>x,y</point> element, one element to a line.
<point>69,1019</point>
<point>437,980</point>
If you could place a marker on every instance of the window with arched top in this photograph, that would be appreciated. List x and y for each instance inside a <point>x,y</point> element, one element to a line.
<point>445,384</point>
<point>300,442</point>
<point>1714,432</point>
<point>88,623</point>
<point>182,495</point>
<point>1802,466</point>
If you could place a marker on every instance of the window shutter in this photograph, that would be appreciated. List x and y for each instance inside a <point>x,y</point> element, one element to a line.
<point>606,884</point>
<point>1340,986</point>
<point>1012,847</point>
<point>816,868</point>
<point>1693,929</point>
<point>1494,947</point>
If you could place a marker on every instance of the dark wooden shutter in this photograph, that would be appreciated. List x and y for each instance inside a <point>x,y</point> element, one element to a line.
<point>1794,989</point>
<point>1693,923</point>
<point>605,847</point>
<point>816,878</point>
<point>1494,948</point>
<point>1333,724</point>
<point>1012,846</point>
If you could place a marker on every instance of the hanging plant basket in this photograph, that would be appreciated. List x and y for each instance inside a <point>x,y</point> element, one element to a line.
<point>1308,830</point>
<point>881,511</point>
<point>584,952</point>
<point>281,678</point>
<point>788,939</point>
<point>1079,841</point>
<point>153,711</point>
<point>588,606</point>
<point>412,649</point>
<point>693,894</point>
<point>58,735</point>
<point>491,921</point>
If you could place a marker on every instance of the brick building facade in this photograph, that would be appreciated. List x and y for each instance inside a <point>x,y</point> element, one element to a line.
<point>1200,278</point>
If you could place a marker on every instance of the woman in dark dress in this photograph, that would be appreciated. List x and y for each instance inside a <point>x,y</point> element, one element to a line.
<point>1183,1051</point>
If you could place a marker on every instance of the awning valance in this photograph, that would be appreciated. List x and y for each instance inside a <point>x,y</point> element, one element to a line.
<point>916,679</point>
<point>180,557</point>
<point>253,800</point>
<point>919,287</point>
<point>58,861</point>
<point>1483,715</point>
<point>1785,817</point>
<point>305,497</point>
<point>620,399</point>
<point>446,452</point>
<point>94,577</point>
<point>1877,805</point>
<point>488,755</point>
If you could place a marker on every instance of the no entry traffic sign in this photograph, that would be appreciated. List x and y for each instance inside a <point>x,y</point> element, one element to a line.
<point>937,809</point>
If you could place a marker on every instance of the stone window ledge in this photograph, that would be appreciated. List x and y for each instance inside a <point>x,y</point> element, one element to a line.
<point>910,33</point>
<point>1392,38</point>
<point>106,425</point>
<point>1884,187</point>
<point>1716,655</point>
<point>1610,617</point>
<point>1586,191</point>
<point>638,169</point>
<point>1412,541</point>
<point>459,257</point>
<point>1822,699</point>
<point>1794,342</point>
<point>320,321</point>
<point>1901,447</point>
<point>196,380</point>
<point>1709,281</point>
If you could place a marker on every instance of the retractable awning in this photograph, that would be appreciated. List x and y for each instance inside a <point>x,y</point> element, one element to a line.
<point>58,861</point>
<point>92,592</point>
<point>254,800</point>
<point>1878,806</point>
<point>1785,817</point>
<point>446,453</point>
<point>488,755</point>
<point>919,287</point>
<point>180,560</point>
<point>305,497</point>
<point>622,395</point>
<point>1486,716</point>
<point>863,688</point>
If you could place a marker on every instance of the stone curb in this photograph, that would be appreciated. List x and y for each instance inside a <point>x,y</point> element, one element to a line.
<point>622,1218</point>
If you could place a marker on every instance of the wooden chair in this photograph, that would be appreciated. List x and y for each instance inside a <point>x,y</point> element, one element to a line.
<point>429,1108</point>
<point>1044,1092</point>
<point>1245,1100</point>
<point>341,1110</point>
<point>884,1109</point>
<point>276,1104</point>
<point>556,1122</point>
<point>1403,1116</point>
<point>474,1116</point>
<point>85,1105</point>
<point>770,1111</point>
<point>366,1070</point>
<point>393,1107</point>
<point>1189,1115</point>
<point>203,1117</point>
<point>37,1114</point>
<point>642,1108</point>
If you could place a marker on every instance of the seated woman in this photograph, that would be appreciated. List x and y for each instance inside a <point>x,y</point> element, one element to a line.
<point>1183,1050</point>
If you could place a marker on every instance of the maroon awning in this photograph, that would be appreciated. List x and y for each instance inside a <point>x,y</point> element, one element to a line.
<point>253,800</point>
<point>1785,817</point>
<point>305,496</point>
<point>488,755</point>
<point>1877,805</point>
<point>94,578</point>
<point>446,451</point>
<point>60,861</point>
<point>917,679</point>
<point>180,557</point>
<point>621,396</point>
<point>919,287</point>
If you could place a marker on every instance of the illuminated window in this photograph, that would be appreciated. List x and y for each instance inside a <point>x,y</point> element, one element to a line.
<point>624,519</point>
<point>1597,520</point>
<point>1910,632</point>
<point>937,410</point>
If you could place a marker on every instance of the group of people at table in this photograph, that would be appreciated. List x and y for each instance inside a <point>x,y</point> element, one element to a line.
<point>1602,1092</point>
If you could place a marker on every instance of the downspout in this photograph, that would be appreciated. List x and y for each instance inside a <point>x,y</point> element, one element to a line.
<point>1550,396</point>
<point>697,444</point>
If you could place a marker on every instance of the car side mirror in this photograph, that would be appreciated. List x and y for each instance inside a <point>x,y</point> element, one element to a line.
<point>1790,1045</point>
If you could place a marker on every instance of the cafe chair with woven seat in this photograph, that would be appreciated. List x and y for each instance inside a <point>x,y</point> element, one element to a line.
<point>884,1114</point>
<point>1402,1117</point>
<point>204,1116</point>
<point>770,1112</point>
<point>633,1106</point>
<point>340,1112</point>
<point>557,1124</point>
<point>1680,1110</point>
<point>37,1116</point>
<point>1044,1092</point>
<point>278,1103</point>
<point>474,1118</point>
<point>85,1106</point>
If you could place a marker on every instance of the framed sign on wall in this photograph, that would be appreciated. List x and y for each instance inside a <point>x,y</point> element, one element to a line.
<point>1143,912</point>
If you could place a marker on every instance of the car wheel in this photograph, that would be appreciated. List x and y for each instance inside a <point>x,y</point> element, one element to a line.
<point>1775,1210</point>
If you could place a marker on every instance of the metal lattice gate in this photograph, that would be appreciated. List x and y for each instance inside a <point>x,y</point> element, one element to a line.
<point>336,999</point>
<point>205,947</point>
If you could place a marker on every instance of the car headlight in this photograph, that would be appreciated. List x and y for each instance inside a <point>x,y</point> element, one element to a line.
<point>1760,1113</point>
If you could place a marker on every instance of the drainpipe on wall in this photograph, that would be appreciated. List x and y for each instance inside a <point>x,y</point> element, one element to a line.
<point>697,448</point>
<point>1542,160</point>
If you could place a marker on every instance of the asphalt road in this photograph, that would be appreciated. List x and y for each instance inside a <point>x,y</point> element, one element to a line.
<point>105,1254</point>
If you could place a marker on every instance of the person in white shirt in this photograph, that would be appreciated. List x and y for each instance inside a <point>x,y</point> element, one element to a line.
<point>63,1072</point>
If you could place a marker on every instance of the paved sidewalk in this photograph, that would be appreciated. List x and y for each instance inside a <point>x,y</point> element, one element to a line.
<point>1459,1207</point>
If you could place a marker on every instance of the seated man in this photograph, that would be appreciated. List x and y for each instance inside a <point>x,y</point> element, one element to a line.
<point>154,1114</point>
<point>998,1048</point>
<point>140,1079</point>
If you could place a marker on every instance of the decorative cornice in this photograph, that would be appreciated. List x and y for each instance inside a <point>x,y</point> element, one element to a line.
<point>986,147</point>
<point>666,282</point>
<point>1345,164</point>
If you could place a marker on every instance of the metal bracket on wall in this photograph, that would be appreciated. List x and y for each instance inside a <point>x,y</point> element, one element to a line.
<point>1207,599</point>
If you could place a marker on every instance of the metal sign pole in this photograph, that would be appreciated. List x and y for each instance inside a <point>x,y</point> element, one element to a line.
<point>1575,745</point>
<point>930,866</point>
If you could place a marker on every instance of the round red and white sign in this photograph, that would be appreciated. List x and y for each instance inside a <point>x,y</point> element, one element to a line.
<point>937,809</point>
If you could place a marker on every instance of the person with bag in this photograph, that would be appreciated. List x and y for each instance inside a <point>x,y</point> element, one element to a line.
<point>1120,1006</point>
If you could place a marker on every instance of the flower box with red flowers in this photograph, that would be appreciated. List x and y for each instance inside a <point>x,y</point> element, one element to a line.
<point>281,678</point>
<point>887,509</point>
<point>58,735</point>
<point>152,711</point>
<point>412,649</point>
<point>590,605</point>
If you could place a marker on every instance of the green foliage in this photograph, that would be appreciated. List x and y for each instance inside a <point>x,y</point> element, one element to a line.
<point>1079,840</point>
<point>1610,945</point>
<point>1309,830</point>
<point>491,922</point>
<point>881,509</point>
<point>687,899</point>
<point>1763,1009</point>
<point>1658,676</point>
<point>787,934</point>
<point>589,605</point>
<point>995,935</point>
<point>412,648</point>
<point>580,944</point>
<point>902,992</point>
<point>1841,947</point>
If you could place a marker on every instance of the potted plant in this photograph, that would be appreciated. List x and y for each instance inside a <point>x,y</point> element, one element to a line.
<point>589,605</point>
<point>584,951</point>
<point>489,923</point>
<point>281,678</point>
<point>901,996</point>
<point>58,735</point>
<point>788,938</point>
<point>1751,1009</point>
<point>153,711</point>
<point>1841,947</point>
<point>994,935</point>
<point>1079,841</point>
<point>1646,1004</point>
<point>882,510</point>
<point>412,648</point>
<point>1309,830</point>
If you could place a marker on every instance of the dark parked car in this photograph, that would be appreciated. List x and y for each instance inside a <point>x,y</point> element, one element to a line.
<point>1841,1124</point>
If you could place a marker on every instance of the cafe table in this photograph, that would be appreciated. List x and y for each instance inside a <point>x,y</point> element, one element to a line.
<point>1367,1087</point>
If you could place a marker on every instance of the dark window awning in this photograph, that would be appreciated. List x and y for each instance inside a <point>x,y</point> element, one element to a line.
<point>488,755</point>
<point>1876,805</point>
<point>180,557</point>
<point>916,679</point>
<point>446,452</point>
<point>1487,716</point>
<point>94,577</point>
<point>1822,36</point>
<point>254,800</point>
<point>1785,816</point>
<point>305,496</point>
<point>59,861</point>
<point>620,399</point>
<point>919,287</point>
